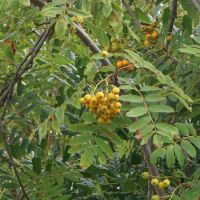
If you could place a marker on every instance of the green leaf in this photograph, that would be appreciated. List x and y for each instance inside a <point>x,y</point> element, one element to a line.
<point>78,148</point>
<point>154,98</point>
<point>43,130</point>
<point>37,167</point>
<point>81,139</point>
<point>102,159</point>
<point>170,156</point>
<point>86,159</point>
<point>161,109</point>
<point>149,89</point>
<point>134,35</point>
<point>140,123</point>
<point>142,15</point>
<point>82,128</point>
<point>60,115</point>
<point>190,8</point>
<point>195,140</point>
<point>136,112</point>
<point>104,146</point>
<point>52,11</point>
<point>183,129</point>
<point>179,154</point>
<point>167,128</point>
<point>146,138</point>
<point>158,153</point>
<point>131,98</point>
<point>60,28</point>
<point>189,148</point>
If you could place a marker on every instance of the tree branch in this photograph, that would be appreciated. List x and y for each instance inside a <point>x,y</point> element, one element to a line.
<point>89,42</point>
<point>173,15</point>
<point>133,17</point>
<point>24,66</point>
<point>197,4</point>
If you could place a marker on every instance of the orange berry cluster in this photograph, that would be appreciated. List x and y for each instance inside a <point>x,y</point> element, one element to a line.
<point>104,106</point>
<point>125,65</point>
<point>151,33</point>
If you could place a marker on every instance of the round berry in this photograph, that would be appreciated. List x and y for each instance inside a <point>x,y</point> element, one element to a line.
<point>82,100</point>
<point>161,185</point>
<point>87,97</point>
<point>115,90</point>
<point>110,96</point>
<point>154,181</point>
<point>125,62</point>
<point>99,95</point>
<point>145,175</point>
<point>166,182</point>
<point>118,105</point>
<point>119,64</point>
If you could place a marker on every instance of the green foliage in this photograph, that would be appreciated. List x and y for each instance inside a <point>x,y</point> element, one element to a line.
<point>59,148</point>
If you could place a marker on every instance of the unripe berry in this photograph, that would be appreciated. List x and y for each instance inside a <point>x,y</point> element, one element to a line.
<point>166,182</point>
<point>82,100</point>
<point>104,53</point>
<point>154,181</point>
<point>155,197</point>
<point>161,185</point>
<point>145,175</point>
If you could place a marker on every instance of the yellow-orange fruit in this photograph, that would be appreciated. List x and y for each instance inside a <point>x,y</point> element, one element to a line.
<point>119,64</point>
<point>110,96</point>
<point>99,95</point>
<point>125,62</point>
<point>154,35</point>
<point>148,36</point>
<point>115,90</point>
<point>147,43</point>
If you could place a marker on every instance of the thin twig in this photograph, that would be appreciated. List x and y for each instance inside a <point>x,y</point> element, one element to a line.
<point>133,17</point>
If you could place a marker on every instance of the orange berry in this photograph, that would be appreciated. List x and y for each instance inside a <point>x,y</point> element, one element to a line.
<point>125,62</point>
<point>119,64</point>
<point>154,35</point>
<point>148,36</point>
<point>99,95</point>
<point>147,43</point>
